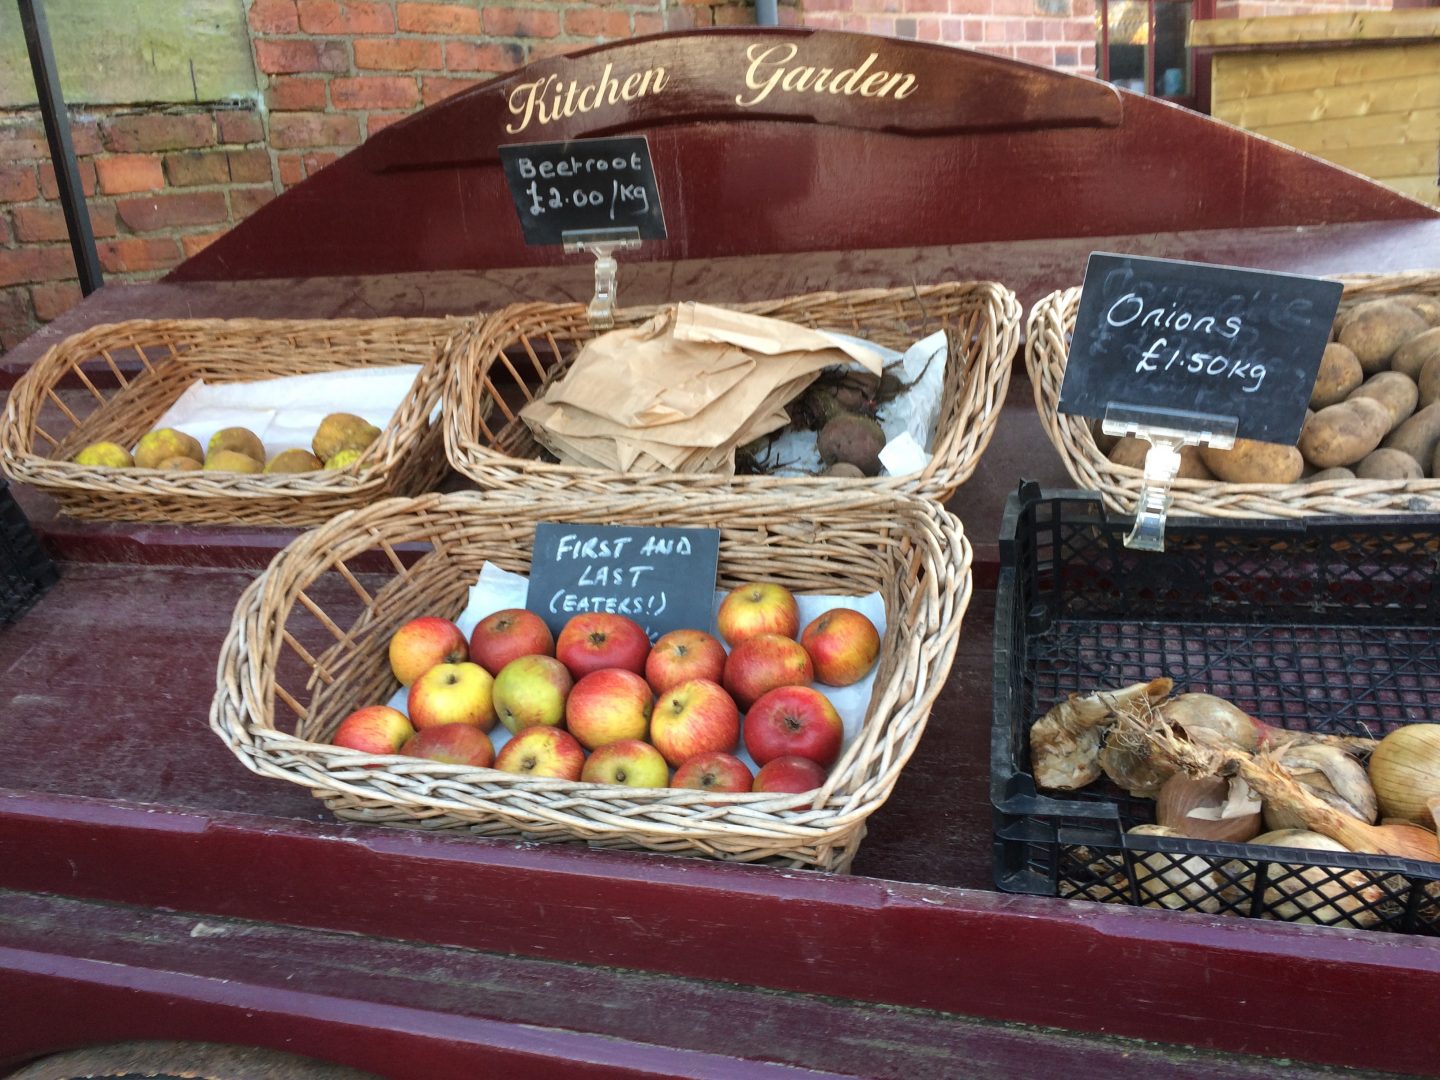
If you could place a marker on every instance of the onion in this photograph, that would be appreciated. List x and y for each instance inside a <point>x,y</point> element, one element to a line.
<point>1213,722</point>
<point>1177,882</point>
<point>1405,772</point>
<point>1201,807</point>
<point>1411,842</point>
<point>1296,892</point>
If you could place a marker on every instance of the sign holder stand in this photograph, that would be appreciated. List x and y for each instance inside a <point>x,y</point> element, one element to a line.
<point>602,243</point>
<point>1166,430</point>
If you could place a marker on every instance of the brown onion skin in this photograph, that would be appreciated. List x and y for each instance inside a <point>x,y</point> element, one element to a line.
<point>1405,772</point>
<point>1182,793</point>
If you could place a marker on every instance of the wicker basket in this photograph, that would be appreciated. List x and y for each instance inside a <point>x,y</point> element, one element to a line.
<point>1047,344</point>
<point>309,640</point>
<point>125,375</point>
<point>505,360</point>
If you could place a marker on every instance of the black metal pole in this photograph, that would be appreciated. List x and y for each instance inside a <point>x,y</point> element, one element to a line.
<point>62,151</point>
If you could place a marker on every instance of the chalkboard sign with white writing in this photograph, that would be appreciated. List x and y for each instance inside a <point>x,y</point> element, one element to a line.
<point>664,579</point>
<point>583,185</point>
<point>1215,340</point>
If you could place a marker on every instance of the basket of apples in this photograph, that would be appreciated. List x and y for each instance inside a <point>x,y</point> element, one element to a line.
<point>385,660</point>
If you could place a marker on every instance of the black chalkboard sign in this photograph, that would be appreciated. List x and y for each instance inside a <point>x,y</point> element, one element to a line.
<point>1216,340</point>
<point>664,579</point>
<point>583,185</point>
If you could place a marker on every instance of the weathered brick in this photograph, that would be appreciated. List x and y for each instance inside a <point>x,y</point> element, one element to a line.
<point>46,224</point>
<point>435,88</point>
<point>289,57</point>
<point>21,265</point>
<point>5,234</point>
<point>18,183</point>
<point>438,19</point>
<point>521,22</point>
<point>297,93</point>
<point>158,131</point>
<point>329,17</point>
<point>53,300</point>
<point>197,167</point>
<point>375,92</point>
<point>136,254</point>
<point>647,23</point>
<point>316,160</point>
<point>687,18</point>
<point>399,54</point>
<point>126,173</point>
<point>379,121</point>
<point>239,126</point>
<point>291,168</point>
<point>274,17</point>
<point>16,323</point>
<point>291,130</point>
<point>744,16</point>
<point>85,137</point>
<point>590,22</point>
<point>249,166</point>
<point>543,50</point>
<point>491,56</point>
<point>51,189</point>
<point>196,242</point>
<point>167,211</point>
<point>245,201</point>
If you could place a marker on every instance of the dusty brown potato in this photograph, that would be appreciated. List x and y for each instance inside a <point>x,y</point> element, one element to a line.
<point>1410,357</point>
<point>1343,434</point>
<point>1398,393</point>
<point>1251,462</point>
<point>1429,381</point>
<point>1418,435</point>
<point>1338,472</point>
<point>1340,373</point>
<point>1131,451</point>
<point>1387,464</point>
<point>1376,328</point>
<point>1427,307</point>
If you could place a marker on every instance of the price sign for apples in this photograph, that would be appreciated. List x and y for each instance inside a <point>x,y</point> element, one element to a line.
<point>664,579</point>
<point>583,185</point>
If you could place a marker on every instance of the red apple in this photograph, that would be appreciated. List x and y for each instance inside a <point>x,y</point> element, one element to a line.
<point>542,751</point>
<point>794,721</point>
<point>505,635</point>
<point>713,771</point>
<point>789,774</point>
<point>762,663</point>
<point>530,691</point>
<point>609,705</point>
<point>424,642</point>
<point>693,718</point>
<point>843,645</point>
<point>375,729</point>
<point>598,639</point>
<point>452,694</point>
<point>629,762</point>
<point>682,655</point>
<point>757,607</point>
<point>454,744</point>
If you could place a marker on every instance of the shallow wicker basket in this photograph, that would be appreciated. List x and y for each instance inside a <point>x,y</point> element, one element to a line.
<point>1047,343</point>
<point>112,382</point>
<point>309,639</point>
<point>505,360</point>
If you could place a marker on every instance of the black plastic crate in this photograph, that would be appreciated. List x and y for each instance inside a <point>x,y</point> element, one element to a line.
<point>25,570</point>
<point>1318,624</point>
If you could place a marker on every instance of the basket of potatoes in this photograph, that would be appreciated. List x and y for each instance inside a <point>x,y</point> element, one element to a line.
<point>1369,443</point>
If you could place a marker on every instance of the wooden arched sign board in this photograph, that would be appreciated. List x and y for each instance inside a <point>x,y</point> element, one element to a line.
<point>792,140</point>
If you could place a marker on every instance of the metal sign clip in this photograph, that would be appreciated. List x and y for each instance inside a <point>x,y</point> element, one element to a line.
<point>602,243</point>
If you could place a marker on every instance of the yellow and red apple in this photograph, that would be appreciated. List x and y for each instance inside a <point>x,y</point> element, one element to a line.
<point>843,645</point>
<point>791,775</point>
<point>530,691</point>
<point>763,662</point>
<point>629,762</point>
<point>682,655</point>
<point>549,752</point>
<point>609,705</point>
<point>453,744</point>
<point>713,771</point>
<point>598,639</point>
<point>452,694</point>
<point>694,718</point>
<point>508,634</point>
<point>796,721</point>
<point>375,729</point>
<point>424,642</point>
<point>757,607</point>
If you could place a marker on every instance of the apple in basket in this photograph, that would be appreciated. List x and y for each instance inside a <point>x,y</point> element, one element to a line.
<point>452,744</point>
<point>763,662</point>
<point>507,634</point>
<point>549,752</point>
<point>453,694</point>
<point>794,721</point>
<point>375,729</point>
<point>607,706</point>
<point>791,775</point>
<point>713,771</point>
<point>530,691</point>
<point>629,762</point>
<point>599,639</point>
<point>694,718</point>
<point>757,607</point>
<point>424,642</point>
<point>682,655</point>
<point>843,645</point>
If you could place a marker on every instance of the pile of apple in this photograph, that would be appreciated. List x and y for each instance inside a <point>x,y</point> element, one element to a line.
<point>600,704</point>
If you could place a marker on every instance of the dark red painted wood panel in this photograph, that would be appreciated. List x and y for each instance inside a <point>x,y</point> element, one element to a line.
<point>981,149</point>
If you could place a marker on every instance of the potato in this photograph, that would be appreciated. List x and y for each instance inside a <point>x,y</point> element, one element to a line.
<point>1410,357</point>
<point>1418,435</point>
<point>1131,451</point>
<point>1397,392</point>
<point>1251,462</point>
<point>1339,472</point>
<point>1343,434</point>
<point>1340,373</point>
<point>1376,329</point>
<point>1427,307</point>
<point>1386,464</point>
<point>1429,380</point>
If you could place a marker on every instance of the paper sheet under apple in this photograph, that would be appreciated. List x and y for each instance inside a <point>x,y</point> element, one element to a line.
<point>497,589</point>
